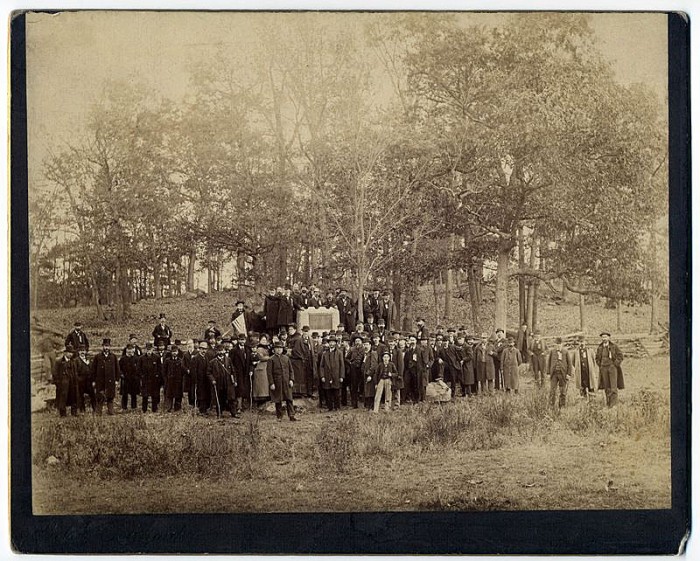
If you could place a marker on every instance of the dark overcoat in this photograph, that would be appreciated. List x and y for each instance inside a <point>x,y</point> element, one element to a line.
<point>198,374</point>
<point>280,373</point>
<point>221,372</point>
<point>130,375</point>
<point>332,369</point>
<point>271,310</point>
<point>242,363</point>
<point>368,369</point>
<point>77,338</point>
<point>397,357</point>
<point>161,334</point>
<point>285,311</point>
<point>174,376</point>
<point>105,373</point>
<point>467,371</point>
<point>151,375</point>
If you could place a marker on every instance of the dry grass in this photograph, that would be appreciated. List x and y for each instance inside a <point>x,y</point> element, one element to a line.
<point>486,452</point>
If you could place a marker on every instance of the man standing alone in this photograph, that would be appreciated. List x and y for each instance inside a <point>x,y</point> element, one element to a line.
<point>608,357</point>
<point>559,372</point>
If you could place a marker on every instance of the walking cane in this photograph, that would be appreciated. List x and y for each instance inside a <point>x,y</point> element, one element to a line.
<point>218,405</point>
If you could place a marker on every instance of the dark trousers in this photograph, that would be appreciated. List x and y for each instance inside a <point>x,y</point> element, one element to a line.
<point>497,368</point>
<point>67,391</point>
<point>356,384</point>
<point>558,380</point>
<point>421,392</point>
<point>290,408</point>
<point>344,387</point>
<point>608,375</point>
<point>125,400</point>
<point>409,390</point>
<point>322,397</point>
<point>333,399</point>
<point>537,365</point>
<point>155,400</point>
<point>101,400</point>
<point>87,389</point>
<point>369,402</point>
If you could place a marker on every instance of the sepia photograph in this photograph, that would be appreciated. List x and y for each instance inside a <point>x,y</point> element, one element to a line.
<point>323,262</point>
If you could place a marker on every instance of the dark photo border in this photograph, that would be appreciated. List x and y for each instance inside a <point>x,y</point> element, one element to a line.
<point>517,532</point>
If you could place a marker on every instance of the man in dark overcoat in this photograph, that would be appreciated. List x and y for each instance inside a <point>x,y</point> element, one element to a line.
<point>77,337</point>
<point>241,362</point>
<point>65,376</point>
<point>161,332</point>
<point>151,373</point>
<point>280,377</point>
<point>198,373</point>
<point>82,368</point>
<point>105,373</point>
<point>223,382</point>
<point>398,355</point>
<point>410,371</point>
<point>346,310</point>
<point>386,311</point>
<point>332,373</point>
<point>609,357</point>
<point>130,382</point>
<point>368,371</point>
<point>174,375</point>
<point>424,362</point>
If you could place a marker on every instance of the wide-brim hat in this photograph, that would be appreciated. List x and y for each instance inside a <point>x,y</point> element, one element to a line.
<point>499,329</point>
<point>239,302</point>
<point>605,333</point>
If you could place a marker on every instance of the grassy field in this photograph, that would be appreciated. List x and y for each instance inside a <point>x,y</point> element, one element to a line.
<point>483,453</point>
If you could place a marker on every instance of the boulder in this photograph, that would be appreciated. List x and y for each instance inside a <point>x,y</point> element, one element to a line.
<point>438,392</point>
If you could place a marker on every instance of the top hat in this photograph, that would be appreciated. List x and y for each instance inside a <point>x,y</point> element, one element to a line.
<point>161,316</point>
<point>106,342</point>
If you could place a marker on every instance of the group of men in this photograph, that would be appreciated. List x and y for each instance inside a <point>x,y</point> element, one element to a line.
<point>281,305</point>
<point>371,362</point>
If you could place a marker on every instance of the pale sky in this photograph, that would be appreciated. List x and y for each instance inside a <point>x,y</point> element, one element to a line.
<point>71,54</point>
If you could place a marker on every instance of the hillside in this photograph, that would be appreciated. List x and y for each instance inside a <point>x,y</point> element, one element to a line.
<point>188,318</point>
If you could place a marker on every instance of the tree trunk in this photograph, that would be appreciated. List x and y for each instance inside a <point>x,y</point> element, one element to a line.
<point>474,302</point>
<point>522,298</point>
<point>191,260</point>
<point>413,291</point>
<point>436,299</point>
<point>397,290</point>
<point>654,327</point>
<point>157,289</point>
<point>535,319</point>
<point>448,282</point>
<point>582,311</point>
<point>619,316</point>
<point>119,295</point>
<point>501,308</point>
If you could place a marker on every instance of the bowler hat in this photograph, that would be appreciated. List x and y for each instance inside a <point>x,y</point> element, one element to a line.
<point>332,338</point>
<point>69,348</point>
<point>240,302</point>
<point>306,329</point>
<point>279,345</point>
<point>499,329</point>
<point>161,316</point>
<point>241,337</point>
<point>605,333</point>
<point>388,353</point>
<point>77,324</point>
